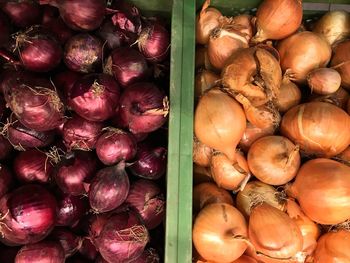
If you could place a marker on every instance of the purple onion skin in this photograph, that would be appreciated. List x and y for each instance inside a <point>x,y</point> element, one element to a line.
<point>111,35</point>
<point>123,238</point>
<point>43,252</point>
<point>76,169</point>
<point>34,101</point>
<point>151,162</point>
<point>109,188</point>
<point>6,180</point>
<point>4,29</point>
<point>50,13</point>
<point>68,240</point>
<point>148,200</point>
<point>142,108</point>
<point>83,53</point>
<point>5,148</point>
<point>81,134</point>
<point>95,97</point>
<point>88,249</point>
<point>128,66</point>
<point>23,13</point>
<point>32,166</point>
<point>59,29</point>
<point>149,255</point>
<point>70,210</point>
<point>116,145</point>
<point>65,81</point>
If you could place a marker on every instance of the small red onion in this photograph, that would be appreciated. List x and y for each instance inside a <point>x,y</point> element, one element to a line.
<point>95,97</point>
<point>154,42</point>
<point>68,240</point>
<point>70,210</point>
<point>43,252</point>
<point>32,166</point>
<point>143,108</point>
<point>82,15</point>
<point>88,249</point>
<point>38,50</point>
<point>6,180</point>
<point>8,254</point>
<point>115,145</point>
<point>109,188</point>
<point>149,255</point>
<point>148,200</point>
<point>23,13</point>
<point>59,29</point>
<point>123,238</point>
<point>4,29</point>
<point>81,134</point>
<point>75,169</point>
<point>83,53</point>
<point>34,101</point>
<point>128,66</point>
<point>151,162</point>
<point>5,148</point>
<point>65,81</point>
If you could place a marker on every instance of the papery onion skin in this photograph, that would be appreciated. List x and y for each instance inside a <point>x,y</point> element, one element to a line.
<point>319,128</point>
<point>6,180</point>
<point>23,13</point>
<point>253,133</point>
<point>277,19</point>
<point>205,80</point>
<point>274,160</point>
<point>333,247</point>
<point>256,192</point>
<point>322,190</point>
<point>273,233</point>
<point>219,241</point>
<point>222,134</point>
<point>303,52</point>
<point>43,252</point>
<point>201,153</point>
<point>340,62</point>
<point>289,95</point>
<point>324,80</point>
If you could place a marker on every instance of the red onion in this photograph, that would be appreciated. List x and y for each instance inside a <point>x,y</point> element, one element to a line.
<point>5,148</point>
<point>32,166</point>
<point>82,15</point>
<point>83,53</point>
<point>154,42</point>
<point>115,145</point>
<point>34,101</point>
<point>111,35</point>
<point>68,240</point>
<point>96,222</point>
<point>23,13</point>
<point>88,249</point>
<point>95,97</point>
<point>109,188</point>
<point>149,255</point>
<point>8,254</point>
<point>50,13</point>
<point>65,81</point>
<point>70,210</point>
<point>75,169</point>
<point>6,180</point>
<point>143,108</point>
<point>38,50</point>
<point>43,252</point>
<point>123,238</point>
<point>81,134</point>
<point>147,199</point>
<point>128,66</point>
<point>4,29</point>
<point>151,162</point>
<point>59,29</point>
<point>28,215</point>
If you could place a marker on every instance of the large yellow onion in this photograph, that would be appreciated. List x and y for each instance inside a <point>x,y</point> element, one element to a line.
<point>334,26</point>
<point>322,188</point>
<point>319,128</point>
<point>333,247</point>
<point>341,62</point>
<point>273,233</point>
<point>220,233</point>
<point>303,52</point>
<point>219,122</point>
<point>207,20</point>
<point>277,19</point>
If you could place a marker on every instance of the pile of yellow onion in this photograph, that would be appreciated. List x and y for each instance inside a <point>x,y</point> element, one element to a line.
<point>271,147</point>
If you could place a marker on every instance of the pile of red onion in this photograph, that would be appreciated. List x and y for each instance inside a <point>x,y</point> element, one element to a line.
<point>83,112</point>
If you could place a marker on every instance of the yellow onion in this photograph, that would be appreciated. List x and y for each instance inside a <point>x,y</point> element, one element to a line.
<point>274,160</point>
<point>223,42</point>
<point>206,21</point>
<point>319,128</point>
<point>333,247</point>
<point>324,80</point>
<point>245,22</point>
<point>201,174</point>
<point>202,60</point>
<point>289,95</point>
<point>334,26</point>
<point>201,153</point>
<point>341,62</point>
<point>219,122</point>
<point>303,52</point>
<point>273,233</point>
<point>209,193</point>
<point>338,98</point>
<point>220,233</point>
<point>322,188</point>
<point>256,192</point>
<point>227,174</point>
<point>205,79</point>
<point>309,229</point>
<point>277,19</point>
